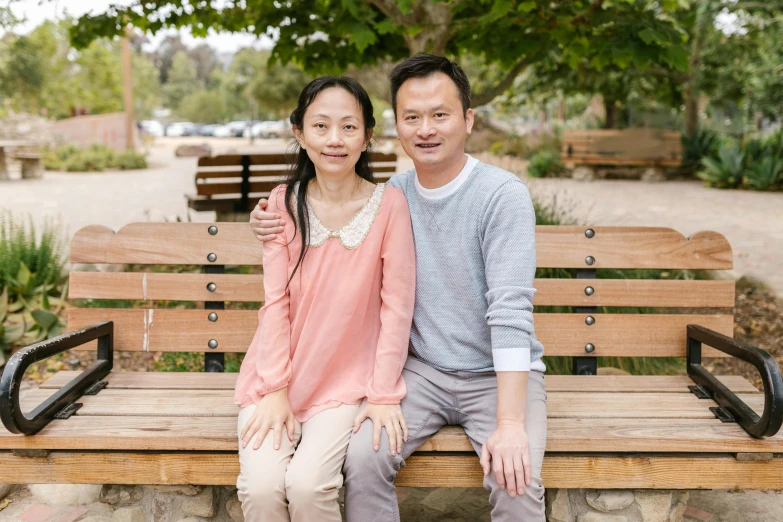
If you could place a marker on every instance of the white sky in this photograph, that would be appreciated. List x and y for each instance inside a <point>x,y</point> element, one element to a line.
<point>36,11</point>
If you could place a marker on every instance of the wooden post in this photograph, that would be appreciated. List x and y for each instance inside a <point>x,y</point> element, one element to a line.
<point>3,165</point>
<point>127,74</point>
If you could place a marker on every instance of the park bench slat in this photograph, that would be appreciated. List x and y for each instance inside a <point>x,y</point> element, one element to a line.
<point>224,160</point>
<point>550,292</point>
<point>594,435</point>
<point>270,159</point>
<point>461,471</point>
<point>156,286</point>
<point>622,147</point>
<point>214,189</point>
<point>172,330</point>
<point>556,246</point>
<point>554,383</point>
<point>220,403</point>
<point>383,171</point>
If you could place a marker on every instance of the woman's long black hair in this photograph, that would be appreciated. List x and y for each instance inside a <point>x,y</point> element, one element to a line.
<point>304,169</point>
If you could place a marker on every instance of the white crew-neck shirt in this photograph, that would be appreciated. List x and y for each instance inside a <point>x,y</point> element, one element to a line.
<point>452,186</point>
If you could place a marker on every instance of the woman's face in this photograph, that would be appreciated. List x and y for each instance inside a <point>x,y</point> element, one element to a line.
<point>333,132</point>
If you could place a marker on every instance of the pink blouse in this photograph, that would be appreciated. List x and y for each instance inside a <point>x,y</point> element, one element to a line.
<point>340,332</point>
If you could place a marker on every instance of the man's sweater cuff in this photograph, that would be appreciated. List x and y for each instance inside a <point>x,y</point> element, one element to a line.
<point>511,359</point>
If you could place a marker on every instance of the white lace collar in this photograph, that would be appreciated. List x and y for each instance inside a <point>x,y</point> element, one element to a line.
<point>353,233</point>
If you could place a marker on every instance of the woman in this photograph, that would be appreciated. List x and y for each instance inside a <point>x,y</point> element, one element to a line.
<point>333,333</point>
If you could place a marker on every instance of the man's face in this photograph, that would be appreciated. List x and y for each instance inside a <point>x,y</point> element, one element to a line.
<point>430,123</point>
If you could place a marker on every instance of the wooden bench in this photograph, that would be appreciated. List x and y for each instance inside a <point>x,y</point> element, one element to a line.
<point>32,164</point>
<point>654,148</point>
<point>234,182</point>
<point>659,432</point>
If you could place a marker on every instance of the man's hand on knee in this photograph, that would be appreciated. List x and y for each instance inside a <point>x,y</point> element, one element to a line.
<point>265,225</point>
<point>507,454</point>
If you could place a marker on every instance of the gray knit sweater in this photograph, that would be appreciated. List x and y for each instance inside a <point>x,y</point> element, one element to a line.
<point>475,263</point>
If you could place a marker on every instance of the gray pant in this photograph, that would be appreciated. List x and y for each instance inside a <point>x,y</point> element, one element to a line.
<point>435,399</point>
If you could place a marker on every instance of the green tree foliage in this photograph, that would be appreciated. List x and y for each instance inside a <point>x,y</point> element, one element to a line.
<point>204,106</point>
<point>7,17</point>
<point>22,72</point>
<point>511,35</point>
<point>41,71</point>
<point>182,80</point>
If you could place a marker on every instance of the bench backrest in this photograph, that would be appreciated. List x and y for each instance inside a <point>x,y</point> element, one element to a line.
<point>223,175</point>
<point>206,249</point>
<point>622,147</point>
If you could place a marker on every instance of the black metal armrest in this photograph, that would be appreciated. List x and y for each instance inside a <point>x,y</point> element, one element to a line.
<point>11,412</point>
<point>770,421</point>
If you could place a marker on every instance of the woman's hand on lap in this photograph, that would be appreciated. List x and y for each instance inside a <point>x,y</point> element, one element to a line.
<point>273,412</point>
<point>388,416</point>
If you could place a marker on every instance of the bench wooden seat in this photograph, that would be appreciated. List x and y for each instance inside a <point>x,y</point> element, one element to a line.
<point>234,182</point>
<point>32,164</point>
<point>622,147</point>
<point>603,431</point>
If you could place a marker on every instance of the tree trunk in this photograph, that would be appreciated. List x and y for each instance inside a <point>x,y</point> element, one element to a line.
<point>610,107</point>
<point>704,16</point>
<point>435,20</point>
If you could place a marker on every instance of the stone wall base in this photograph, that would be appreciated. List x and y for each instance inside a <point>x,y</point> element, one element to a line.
<point>114,503</point>
<point>615,505</point>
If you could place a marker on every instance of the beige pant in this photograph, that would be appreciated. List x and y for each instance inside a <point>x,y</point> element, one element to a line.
<point>301,480</point>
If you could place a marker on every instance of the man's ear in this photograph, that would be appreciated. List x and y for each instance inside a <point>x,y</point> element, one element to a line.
<point>469,119</point>
<point>369,138</point>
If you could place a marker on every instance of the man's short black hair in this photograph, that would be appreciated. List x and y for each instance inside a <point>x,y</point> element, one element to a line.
<point>424,65</point>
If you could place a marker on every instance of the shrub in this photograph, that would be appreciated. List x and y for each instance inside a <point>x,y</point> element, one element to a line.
<point>31,268</point>
<point>94,158</point>
<point>130,160</point>
<point>725,171</point>
<point>704,143</point>
<point>545,163</point>
<point>764,174</point>
<point>19,245</point>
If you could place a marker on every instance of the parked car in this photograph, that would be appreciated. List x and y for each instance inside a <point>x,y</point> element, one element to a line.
<point>222,131</point>
<point>181,128</point>
<point>195,130</point>
<point>269,129</point>
<point>152,128</point>
<point>208,130</point>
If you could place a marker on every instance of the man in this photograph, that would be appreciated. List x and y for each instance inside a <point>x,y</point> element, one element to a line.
<point>474,358</point>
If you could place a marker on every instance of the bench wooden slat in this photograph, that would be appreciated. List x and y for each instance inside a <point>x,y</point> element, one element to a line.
<point>213,189</point>
<point>554,383</point>
<point>556,246</point>
<point>664,435</point>
<point>257,184</point>
<point>230,204</point>
<point>255,175</point>
<point>175,287</point>
<point>460,471</point>
<point>220,403</point>
<point>167,330</point>
<point>382,171</point>
<point>224,160</point>
<point>551,292</point>
<point>622,147</point>
<point>167,244</point>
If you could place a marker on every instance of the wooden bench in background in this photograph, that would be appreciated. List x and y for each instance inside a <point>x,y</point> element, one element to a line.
<point>651,148</point>
<point>233,183</point>
<point>32,164</point>
<point>661,432</point>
